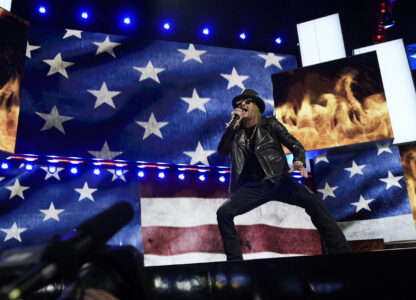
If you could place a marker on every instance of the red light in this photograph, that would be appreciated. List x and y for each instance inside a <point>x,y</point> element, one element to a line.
<point>383,11</point>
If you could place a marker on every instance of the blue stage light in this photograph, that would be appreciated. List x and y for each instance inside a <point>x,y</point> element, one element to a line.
<point>222,178</point>
<point>127,20</point>
<point>140,174</point>
<point>202,177</point>
<point>206,31</point>
<point>243,36</point>
<point>181,176</point>
<point>52,169</point>
<point>84,15</point>
<point>166,26</point>
<point>97,171</point>
<point>119,172</point>
<point>278,40</point>
<point>42,9</point>
<point>4,165</point>
<point>29,167</point>
<point>161,175</point>
<point>74,170</point>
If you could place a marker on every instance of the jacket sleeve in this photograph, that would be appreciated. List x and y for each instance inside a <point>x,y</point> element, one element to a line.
<point>288,140</point>
<point>224,146</point>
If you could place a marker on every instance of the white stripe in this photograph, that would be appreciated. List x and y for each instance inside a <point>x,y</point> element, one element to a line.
<point>397,228</point>
<point>199,257</point>
<point>189,212</point>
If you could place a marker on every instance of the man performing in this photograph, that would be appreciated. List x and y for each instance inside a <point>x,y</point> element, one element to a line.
<point>260,173</point>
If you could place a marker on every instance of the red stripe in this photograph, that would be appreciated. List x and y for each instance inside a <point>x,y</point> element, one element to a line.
<point>253,239</point>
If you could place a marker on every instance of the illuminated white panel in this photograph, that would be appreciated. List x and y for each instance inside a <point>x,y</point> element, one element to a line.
<point>320,40</point>
<point>398,87</point>
<point>6,4</point>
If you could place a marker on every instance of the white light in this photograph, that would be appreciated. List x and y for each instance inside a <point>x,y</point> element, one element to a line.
<point>97,171</point>
<point>222,179</point>
<point>166,26</point>
<point>205,31</point>
<point>42,9</point>
<point>84,15</point>
<point>52,169</point>
<point>161,175</point>
<point>119,172</point>
<point>4,165</point>
<point>278,40</point>
<point>74,170</point>
<point>181,176</point>
<point>202,177</point>
<point>29,167</point>
<point>140,174</point>
<point>243,36</point>
<point>127,20</point>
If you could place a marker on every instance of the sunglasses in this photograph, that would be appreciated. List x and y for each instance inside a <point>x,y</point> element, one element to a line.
<point>247,101</point>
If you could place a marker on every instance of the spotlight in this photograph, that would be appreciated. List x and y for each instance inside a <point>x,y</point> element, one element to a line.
<point>73,170</point>
<point>181,176</point>
<point>52,169</point>
<point>202,177</point>
<point>84,15</point>
<point>243,35</point>
<point>205,31</point>
<point>4,165</point>
<point>278,40</point>
<point>222,178</point>
<point>140,174</point>
<point>29,167</point>
<point>166,26</point>
<point>42,9</point>
<point>119,172</point>
<point>127,20</point>
<point>161,175</point>
<point>97,171</point>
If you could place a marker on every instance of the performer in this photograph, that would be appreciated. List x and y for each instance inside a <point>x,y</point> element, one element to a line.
<point>260,173</point>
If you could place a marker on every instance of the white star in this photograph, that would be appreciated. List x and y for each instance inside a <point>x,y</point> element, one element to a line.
<point>115,176</point>
<point>234,79</point>
<point>391,180</point>
<point>383,148</point>
<point>152,126</point>
<point>414,56</point>
<point>30,48</point>
<point>321,157</point>
<point>13,232</point>
<point>106,46</point>
<point>149,72</point>
<point>272,59</point>
<point>51,213</point>
<point>195,102</point>
<point>199,155</point>
<point>328,191</point>
<point>269,101</point>
<point>104,96</point>
<point>1,178</point>
<point>105,152</point>
<point>355,169</point>
<point>85,192</point>
<point>362,204</point>
<point>17,189</point>
<point>192,53</point>
<point>72,32</point>
<point>53,119</point>
<point>58,65</point>
<point>54,174</point>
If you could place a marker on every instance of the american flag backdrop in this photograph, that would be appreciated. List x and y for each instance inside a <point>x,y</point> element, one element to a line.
<point>97,95</point>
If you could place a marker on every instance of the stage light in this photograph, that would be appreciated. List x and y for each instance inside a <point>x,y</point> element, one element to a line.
<point>278,40</point>
<point>202,177</point>
<point>97,171</point>
<point>52,169</point>
<point>181,176</point>
<point>73,170</point>
<point>42,9</point>
<point>29,167</point>
<point>206,31</point>
<point>243,36</point>
<point>127,20</point>
<point>161,175</point>
<point>166,26</point>
<point>222,178</point>
<point>84,15</point>
<point>140,174</point>
<point>119,172</point>
<point>4,165</point>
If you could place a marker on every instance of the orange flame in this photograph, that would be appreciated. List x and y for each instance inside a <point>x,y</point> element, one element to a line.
<point>337,118</point>
<point>9,114</point>
<point>408,155</point>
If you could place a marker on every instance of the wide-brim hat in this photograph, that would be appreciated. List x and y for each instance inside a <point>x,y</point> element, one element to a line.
<point>249,94</point>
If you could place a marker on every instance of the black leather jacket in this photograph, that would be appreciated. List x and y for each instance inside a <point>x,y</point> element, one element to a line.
<point>270,136</point>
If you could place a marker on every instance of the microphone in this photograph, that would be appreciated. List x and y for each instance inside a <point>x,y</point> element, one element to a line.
<point>65,254</point>
<point>235,118</point>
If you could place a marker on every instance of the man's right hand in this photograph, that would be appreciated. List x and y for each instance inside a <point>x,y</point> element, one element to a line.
<point>238,112</point>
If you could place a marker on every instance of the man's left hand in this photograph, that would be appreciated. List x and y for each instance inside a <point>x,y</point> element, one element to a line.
<point>299,166</point>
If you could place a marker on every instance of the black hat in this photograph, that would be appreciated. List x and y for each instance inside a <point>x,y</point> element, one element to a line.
<point>249,94</point>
